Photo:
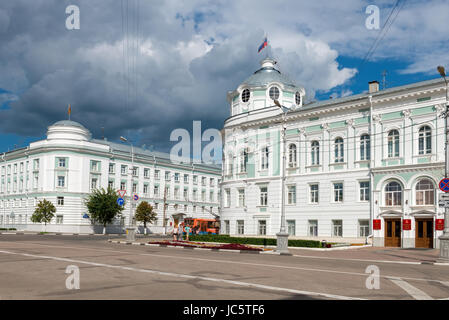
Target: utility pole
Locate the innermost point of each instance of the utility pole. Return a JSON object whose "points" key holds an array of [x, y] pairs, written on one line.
{"points": [[165, 205], [444, 239], [130, 230], [384, 79]]}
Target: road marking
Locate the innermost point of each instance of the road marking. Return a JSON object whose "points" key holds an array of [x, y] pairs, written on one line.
{"points": [[411, 290], [362, 260], [186, 276]]}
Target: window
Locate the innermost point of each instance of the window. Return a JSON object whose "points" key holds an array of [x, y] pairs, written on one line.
{"points": [[203, 195], [243, 160], [297, 98], [313, 228], [226, 227], [425, 192], [156, 175], [262, 229], [111, 168], [240, 227], [425, 140], [61, 162], [393, 144], [365, 147], [339, 150], [292, 155], [186, 194], [291, 227], [176, 177], [263, 196], [211, 196], [338, 192], [186, 178], [211, 182], [203, 181], [59, 219], [111, 184], [94, 166], [195, 195], [291, 195], [364, 190], [241, 197], [167, 175], [93, 183], [123, 169], [315, 155], [134, 187], [60, 201], [36, 164], [363, 228], [245, 95], [265, 155], [135, 171], [167, 192], [195, 179], [61, 181], [337, 228], [122, 185], [314, 193], [146, 173], [274, 93], [228, 198], [156, 191], [393, 194], [176, 193]]}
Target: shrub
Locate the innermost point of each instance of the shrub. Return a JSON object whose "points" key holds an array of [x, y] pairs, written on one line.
{"points": [[256, 241]]}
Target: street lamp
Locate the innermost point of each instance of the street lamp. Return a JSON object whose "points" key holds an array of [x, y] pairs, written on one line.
{"points": [[282, 236], [130, 230], [444, 239]]}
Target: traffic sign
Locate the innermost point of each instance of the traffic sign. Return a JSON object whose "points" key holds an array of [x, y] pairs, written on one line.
{"points": [[120, 201], [136, 197], [444, 185], [85, 216], [121, 193], [443, 203]]}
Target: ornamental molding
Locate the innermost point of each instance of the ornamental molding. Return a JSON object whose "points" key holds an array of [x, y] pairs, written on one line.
{"points": [[325, 126], [377, 117], [406, 113], [350, 122], [440, 108]]}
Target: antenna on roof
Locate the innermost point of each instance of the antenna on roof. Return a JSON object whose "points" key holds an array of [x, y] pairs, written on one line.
{"points": [[384, 80], [102, 133]]}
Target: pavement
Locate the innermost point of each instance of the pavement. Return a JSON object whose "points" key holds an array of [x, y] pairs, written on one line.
{"points": [[34, 267]]}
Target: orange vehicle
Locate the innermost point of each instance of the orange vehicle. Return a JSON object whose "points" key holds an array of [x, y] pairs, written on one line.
{"points": [[204, 226]]}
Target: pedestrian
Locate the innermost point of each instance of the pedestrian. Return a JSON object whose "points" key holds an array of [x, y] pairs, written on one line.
{"points": [[187, 230], [175, 233], [180, 231]]}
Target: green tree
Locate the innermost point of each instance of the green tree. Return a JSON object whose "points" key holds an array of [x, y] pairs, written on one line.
{"points": [[145, 213], [44, 212], [103, 207]]}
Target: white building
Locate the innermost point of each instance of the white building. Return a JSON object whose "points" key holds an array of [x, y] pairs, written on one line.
{"points": [[372, 157], [69, 164]]}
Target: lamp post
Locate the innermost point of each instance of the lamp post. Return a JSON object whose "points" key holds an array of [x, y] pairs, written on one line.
{"points": [[130, 230], [444, 239], [282, 236]]}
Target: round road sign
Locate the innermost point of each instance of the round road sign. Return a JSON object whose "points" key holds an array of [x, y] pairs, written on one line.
{"points": [[444, 185]]}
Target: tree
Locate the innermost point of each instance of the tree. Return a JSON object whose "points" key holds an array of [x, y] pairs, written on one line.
{"points": [[145, 214], [103, 207], [44, 212]]}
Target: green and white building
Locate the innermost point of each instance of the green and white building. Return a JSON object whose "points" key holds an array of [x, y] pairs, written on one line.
{"points": [[66, 166], [374, 157]]}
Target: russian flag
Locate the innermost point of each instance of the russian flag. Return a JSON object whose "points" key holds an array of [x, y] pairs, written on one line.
{"points": [[263, 45]]}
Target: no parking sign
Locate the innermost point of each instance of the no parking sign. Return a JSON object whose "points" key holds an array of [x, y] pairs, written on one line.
{"points": [[444, 185]]}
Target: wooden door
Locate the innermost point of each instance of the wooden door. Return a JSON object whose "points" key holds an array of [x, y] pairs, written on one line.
{"points": [[424, 233], [392, 232]]}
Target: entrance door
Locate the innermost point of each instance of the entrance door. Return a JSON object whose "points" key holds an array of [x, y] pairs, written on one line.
{"points": [[424, 233], [392, 232]]}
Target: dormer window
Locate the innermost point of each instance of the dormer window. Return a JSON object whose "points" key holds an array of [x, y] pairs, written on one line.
{"points": [[298, 98], [245, 95], [274, 93]]}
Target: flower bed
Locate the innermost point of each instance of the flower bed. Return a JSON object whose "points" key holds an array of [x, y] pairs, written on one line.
{"points": [[191, 244]]}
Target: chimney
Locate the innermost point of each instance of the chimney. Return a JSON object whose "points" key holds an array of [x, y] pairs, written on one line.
{"points": [[373, 86]]}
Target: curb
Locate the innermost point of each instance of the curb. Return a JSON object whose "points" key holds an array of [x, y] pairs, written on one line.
{"points": [[192, 248]]}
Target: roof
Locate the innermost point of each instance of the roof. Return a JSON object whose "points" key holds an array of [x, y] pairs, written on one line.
{"points": [[68, 123], [266, 75]]}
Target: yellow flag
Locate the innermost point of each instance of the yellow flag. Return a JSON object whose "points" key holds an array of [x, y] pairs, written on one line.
{"points": [[69, 110]]}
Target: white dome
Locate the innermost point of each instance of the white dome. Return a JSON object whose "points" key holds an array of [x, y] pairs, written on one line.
{"points": [[67, 129]]}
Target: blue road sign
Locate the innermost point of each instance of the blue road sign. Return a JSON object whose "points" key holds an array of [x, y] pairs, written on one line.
{"points": [[444, 185], [85, 216], [136, 197], [120, 201]]}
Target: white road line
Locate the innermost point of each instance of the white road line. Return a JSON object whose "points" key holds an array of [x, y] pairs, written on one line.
{"points": [[224, 261], [362, 260], [411, 290], [186, 276]]}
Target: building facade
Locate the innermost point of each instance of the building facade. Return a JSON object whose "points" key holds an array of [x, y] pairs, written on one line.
{"points": [[66, 166], [358, 168]]}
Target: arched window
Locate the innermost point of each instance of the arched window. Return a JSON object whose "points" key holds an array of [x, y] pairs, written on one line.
{"points": [[298, 98], [292, 155], [393, 194], [338, 148], [364, 147], [245, 95], [243, 160], [425, 140], [265, 155], [393, 144], [315, 153], [274, 93], [425, 192]]}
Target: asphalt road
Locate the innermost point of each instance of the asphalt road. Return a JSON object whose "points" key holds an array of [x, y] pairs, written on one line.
{"points": [[34, 267]]}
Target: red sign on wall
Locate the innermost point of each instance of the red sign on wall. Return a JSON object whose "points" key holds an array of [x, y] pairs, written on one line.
{"points": [[376, 224], [407, 224], [439, 224]]}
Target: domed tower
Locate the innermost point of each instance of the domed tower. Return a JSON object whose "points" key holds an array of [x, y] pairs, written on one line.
{"points": [[262, 87], [68, 130]]}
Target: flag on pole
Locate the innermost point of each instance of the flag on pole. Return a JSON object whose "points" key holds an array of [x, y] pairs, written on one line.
{"points": [[263, 45], [69, 111]]}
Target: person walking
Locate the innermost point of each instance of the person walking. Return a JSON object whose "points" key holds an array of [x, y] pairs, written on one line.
{"points": [[180, 230], [187, 230], [175, 233]]}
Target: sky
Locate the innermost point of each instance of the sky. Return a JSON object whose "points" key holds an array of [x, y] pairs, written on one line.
{"points": [[144, 68]]}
